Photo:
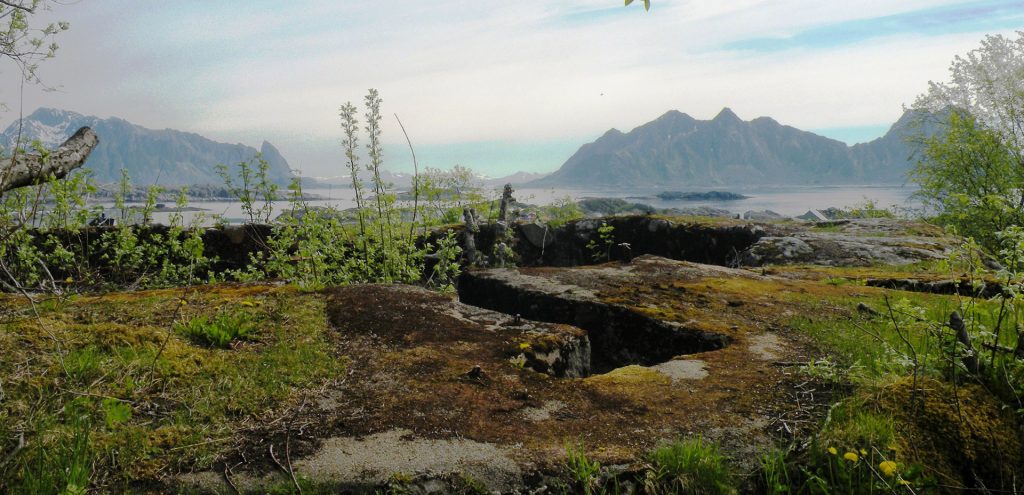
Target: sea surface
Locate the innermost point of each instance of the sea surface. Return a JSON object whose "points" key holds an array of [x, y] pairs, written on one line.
{"points": [[784, 200]]}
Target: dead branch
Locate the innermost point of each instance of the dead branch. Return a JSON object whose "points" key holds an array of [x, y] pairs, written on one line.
{"points": [[28, 169], [227, 477], [286, 470]]}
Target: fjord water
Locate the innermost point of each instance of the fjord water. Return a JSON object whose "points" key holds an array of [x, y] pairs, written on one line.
{"points": [[784, 200]]}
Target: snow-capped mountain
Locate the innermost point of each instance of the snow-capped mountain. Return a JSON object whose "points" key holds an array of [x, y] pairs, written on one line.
{"points": [[167, 157]]}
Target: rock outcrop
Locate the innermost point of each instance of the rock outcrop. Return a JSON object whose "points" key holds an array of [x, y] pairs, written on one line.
{"points": [[442, 390], [860, 242]]}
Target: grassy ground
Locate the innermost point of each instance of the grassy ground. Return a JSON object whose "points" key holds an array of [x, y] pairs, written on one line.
{"points": [[118, 392], [909, 400], [109, 392], [907, 415]]}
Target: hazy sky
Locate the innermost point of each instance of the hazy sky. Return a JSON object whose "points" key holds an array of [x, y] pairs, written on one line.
{"points": [[498, 85]]}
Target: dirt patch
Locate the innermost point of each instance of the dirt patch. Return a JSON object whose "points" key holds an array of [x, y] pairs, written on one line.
{"points": [[544, 412]]}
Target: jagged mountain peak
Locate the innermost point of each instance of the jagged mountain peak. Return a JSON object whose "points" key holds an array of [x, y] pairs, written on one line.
{"points": [[674, 116], [727, 115], [268, 149]]}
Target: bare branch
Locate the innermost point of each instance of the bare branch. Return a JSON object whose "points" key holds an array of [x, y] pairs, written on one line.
{"points": [[25, 170], [19, 6]]}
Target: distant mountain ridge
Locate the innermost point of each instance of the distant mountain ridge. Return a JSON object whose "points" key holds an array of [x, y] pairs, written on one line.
{"points": [[678, 151], [167, 157]]}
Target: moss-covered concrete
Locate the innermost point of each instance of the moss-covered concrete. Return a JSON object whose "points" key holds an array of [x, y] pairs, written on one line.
{"points": [[343, 383], [412, 353]]}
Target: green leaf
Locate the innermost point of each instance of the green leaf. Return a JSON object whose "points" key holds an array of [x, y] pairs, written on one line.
{"points": [[628, 2], [647, 5], [73, 489], [117, 411]]}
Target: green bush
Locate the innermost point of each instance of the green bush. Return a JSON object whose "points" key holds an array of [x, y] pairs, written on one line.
{"points": [[868, 209], [602, 251], [561, 212], [971, 178]]}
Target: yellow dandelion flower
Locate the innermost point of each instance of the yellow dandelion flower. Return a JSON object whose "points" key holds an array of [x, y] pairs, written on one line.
{"points": [[833, 451], [887, 468], [904, 482], [851, 456], [863, 452], [69, 280], [524, 346], [182, 302]]}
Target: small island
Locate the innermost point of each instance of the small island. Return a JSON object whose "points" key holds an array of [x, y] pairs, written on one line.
{"points": [[701, 196]]}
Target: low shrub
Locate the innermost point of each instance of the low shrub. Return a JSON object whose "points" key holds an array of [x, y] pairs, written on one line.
{"points": [[219, 331], [690, 466]]}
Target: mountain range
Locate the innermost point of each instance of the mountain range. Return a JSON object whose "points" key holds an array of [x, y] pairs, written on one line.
{"points": [[678, 151], [172, 158], [674, 151], [166, 157]]}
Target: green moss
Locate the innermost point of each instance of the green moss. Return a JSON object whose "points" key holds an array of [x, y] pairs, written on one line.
{"points": [[957, 430], [631, 375], [187, 403], [701, 220], [827, 227]]}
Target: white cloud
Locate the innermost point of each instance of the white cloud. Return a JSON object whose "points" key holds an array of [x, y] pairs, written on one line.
{"points": [[475, 71]]}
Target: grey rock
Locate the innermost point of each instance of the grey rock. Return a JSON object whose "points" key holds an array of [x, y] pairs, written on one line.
{"points": [[658, 225], [776, 249], [761, 215], [857, 242], [235, 233], [699, 211], [538, 234]]}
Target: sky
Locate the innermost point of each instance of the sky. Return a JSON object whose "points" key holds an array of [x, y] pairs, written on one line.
{"points": [[494, 85]]}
